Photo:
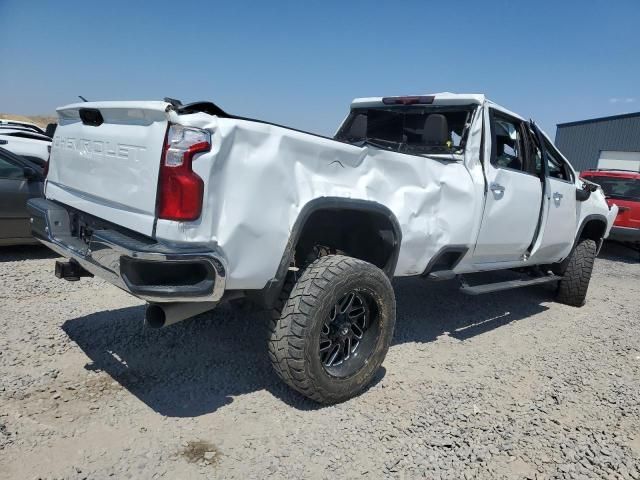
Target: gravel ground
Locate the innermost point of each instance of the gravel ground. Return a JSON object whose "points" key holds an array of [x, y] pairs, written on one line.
{"points": [[508, 385]]}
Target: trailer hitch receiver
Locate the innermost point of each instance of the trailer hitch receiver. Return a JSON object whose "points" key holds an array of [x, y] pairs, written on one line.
{"points": [[71, 270]]}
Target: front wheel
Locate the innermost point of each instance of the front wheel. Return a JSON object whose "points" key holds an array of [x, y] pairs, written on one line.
{"points": [[334, 329], [572, 289]]}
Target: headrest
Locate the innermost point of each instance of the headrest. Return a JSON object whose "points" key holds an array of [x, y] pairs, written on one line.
{"points": [[436, 130], [358, 127]]}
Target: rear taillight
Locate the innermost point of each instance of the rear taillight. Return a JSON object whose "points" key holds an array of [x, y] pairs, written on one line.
{"points": [[180, 189]]}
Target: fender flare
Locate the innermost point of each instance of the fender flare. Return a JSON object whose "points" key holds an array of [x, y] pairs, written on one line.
{"points": [[587, 219], [272, 289]]}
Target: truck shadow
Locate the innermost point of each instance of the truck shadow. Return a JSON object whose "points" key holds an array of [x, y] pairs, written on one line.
{"points": [[197, 366], [26, 252], [619, 252]]}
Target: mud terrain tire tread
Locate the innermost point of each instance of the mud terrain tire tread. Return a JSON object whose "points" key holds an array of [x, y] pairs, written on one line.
{"points": [[572, 289], [292, 330]]}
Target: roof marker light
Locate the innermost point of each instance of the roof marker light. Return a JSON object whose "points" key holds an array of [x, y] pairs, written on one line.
{"points": [[414, 100]]}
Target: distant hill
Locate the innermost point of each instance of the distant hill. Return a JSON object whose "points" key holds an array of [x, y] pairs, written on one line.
{"points": [[40, 120]]}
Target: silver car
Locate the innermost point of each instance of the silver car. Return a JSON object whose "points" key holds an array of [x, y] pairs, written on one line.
{"points": [[20, 180]]}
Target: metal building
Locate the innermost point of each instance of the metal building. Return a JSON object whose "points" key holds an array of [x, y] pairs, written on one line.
{"points": [[606, 142]]}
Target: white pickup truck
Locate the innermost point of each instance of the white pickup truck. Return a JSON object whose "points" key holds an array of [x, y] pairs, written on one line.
{"points": [[186, 206]]}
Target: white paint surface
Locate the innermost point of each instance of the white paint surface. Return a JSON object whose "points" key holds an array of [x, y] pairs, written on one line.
{"points": [[258, 177], [619, 160]]}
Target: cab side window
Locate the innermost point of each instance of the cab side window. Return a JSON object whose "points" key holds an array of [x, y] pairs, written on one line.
{"points": [[508, 146], [535, 154], [10, 170], [556, 166]]}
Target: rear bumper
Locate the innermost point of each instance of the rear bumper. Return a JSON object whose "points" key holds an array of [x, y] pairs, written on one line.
{"points": [[624, 234], [152, 271]]}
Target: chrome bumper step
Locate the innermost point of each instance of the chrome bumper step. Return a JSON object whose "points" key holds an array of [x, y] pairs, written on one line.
{"points": [[136, 264]]}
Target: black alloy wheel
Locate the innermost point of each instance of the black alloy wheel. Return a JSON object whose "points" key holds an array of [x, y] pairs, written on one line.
{"points": [[348, 334]]}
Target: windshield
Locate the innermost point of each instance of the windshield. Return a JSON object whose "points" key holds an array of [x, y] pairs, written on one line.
{"points": [[621, 188], [409, 129]]}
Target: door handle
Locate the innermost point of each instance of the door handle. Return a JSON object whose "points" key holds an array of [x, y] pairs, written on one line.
{"points": [[557, 196], [496, 188]]}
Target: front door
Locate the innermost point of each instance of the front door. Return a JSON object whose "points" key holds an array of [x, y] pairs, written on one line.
{"points": [[559, 231], [514, 196]]}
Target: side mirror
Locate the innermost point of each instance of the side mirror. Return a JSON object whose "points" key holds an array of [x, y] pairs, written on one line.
{"points": [[29, 173], [587, 189], [582, 194]]}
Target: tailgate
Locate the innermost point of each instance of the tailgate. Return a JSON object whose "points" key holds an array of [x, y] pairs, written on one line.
{"points": [[105, 159]]}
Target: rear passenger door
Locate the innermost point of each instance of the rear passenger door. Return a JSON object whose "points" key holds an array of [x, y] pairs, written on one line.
{"points": [[514, 194]]}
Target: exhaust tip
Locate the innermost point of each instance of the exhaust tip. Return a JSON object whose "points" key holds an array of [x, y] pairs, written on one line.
{"points": [[155, 316]]}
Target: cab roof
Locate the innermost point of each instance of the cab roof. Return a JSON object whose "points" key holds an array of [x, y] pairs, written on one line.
{"points": [[442, 98]]}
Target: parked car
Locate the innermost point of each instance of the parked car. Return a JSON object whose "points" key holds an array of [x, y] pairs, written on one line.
{"points": [[7, 122], [621, 187], [20, 180], [187, 206], [26, 142]]}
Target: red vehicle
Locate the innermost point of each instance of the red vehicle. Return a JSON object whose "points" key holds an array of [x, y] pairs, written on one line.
{"points": [[621, 187]]}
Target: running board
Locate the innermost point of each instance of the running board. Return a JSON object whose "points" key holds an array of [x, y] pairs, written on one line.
{"points": [[499, 286]]}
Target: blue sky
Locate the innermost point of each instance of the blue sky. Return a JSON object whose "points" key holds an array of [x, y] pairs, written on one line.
{"points": [[301, 63]]}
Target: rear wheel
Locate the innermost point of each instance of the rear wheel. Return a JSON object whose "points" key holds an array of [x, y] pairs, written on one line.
{"points": [[334, 328], [572, 289]]}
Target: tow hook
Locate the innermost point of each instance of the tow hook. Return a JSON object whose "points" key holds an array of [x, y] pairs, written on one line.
{"points": [[71, 270]]}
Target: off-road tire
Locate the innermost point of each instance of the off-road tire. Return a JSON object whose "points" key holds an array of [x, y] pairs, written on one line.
{"points": [[295, 332], [277, 331], [572, 289]]}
